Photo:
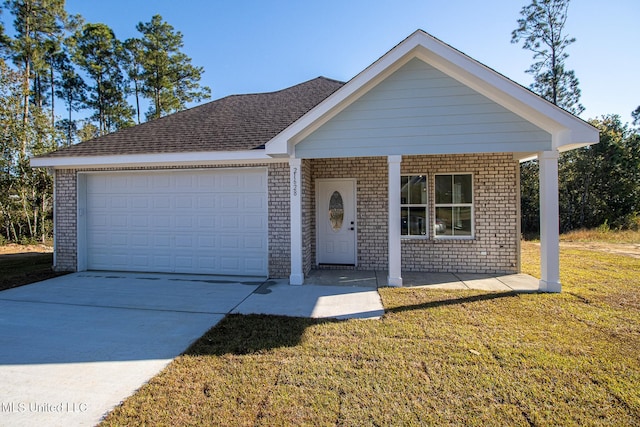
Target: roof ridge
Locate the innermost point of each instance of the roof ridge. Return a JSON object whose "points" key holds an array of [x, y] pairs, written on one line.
{"points": [[281, 90]]}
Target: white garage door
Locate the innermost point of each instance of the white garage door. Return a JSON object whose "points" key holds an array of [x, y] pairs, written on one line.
{"points": [[203, 222]]}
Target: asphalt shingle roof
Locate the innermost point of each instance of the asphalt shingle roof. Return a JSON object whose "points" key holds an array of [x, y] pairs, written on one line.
{"points": [[233, 123]]}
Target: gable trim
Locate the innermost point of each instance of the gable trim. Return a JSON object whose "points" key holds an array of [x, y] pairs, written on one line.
{"points": [[567, 130]]}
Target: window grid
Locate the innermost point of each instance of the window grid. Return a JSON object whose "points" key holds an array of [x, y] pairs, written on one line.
{"points": [[414, 208], [454, 212]]}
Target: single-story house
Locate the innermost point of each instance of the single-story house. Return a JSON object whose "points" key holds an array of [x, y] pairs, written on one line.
{"points": [[412, 165]]}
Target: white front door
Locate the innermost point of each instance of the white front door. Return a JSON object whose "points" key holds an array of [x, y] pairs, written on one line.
{"points": [[336, 221]]}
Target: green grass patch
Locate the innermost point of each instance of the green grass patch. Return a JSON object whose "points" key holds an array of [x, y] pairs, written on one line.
{"points": [[437, 357], [24, 268]]}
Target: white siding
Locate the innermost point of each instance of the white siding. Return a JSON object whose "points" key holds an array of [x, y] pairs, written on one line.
{"points": [[420, 110]]}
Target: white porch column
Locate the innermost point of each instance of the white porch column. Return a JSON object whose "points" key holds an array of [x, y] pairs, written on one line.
{"points": [[295, 200], [549, 222], [395, 255]]}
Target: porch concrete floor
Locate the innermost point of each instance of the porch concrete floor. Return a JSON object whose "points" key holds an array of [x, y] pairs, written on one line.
{"points": [[376, 279]]}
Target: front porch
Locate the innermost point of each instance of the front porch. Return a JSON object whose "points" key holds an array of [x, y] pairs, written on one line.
{"points": [[373, 215], [460, 281]]}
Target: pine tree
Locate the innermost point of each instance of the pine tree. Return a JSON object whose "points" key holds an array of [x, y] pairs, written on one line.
{"points": [[98, 52], [71, 88], [133, 67], [38, 26], [541, 29], [169, 80]]}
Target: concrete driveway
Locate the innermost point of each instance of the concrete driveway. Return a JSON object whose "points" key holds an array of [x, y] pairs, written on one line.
{"points": [[71, 348]]}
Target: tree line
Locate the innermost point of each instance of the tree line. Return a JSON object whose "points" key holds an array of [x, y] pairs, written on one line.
{"points": [[599, 185], [65, 80]]}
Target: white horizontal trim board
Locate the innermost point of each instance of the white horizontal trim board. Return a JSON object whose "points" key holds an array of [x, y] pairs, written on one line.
{"points": [[420, 110], [157, 159], [182, 221]]}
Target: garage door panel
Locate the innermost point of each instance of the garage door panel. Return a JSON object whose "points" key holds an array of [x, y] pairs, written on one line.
{"points": [[184, 202], [119, 182], [141, 202], [206, 242], [207, 222], [253, 201], [230, 202], [254, 263], [140, 241], [160, 182], [205, 202], [161, 202], [229, 222], [98, 220], [254, 222], [120, 240], [183, 262], [118, 221], [96, 202], [140, 222], [161, 240], [139, 182], [229, 242], [118, 202], [184, 182], [141, 261], [252, 242], [184, 241], [160, 222], [185, 222]]}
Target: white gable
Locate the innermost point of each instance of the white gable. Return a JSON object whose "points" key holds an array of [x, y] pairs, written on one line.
{"points": [[420, 110], [529, 116]]}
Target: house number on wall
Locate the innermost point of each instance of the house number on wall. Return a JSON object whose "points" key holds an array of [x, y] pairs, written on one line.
{"points": [[295, 182]]}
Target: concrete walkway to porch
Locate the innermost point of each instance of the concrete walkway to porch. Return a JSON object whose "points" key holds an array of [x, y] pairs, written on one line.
{"points": [[349, 294], [376, 279]]}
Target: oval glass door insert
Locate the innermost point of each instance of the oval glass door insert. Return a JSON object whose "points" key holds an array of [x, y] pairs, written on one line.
{"points": [[336, 211]]}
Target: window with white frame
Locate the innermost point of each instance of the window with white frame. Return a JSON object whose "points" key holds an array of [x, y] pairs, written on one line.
{"points": [[454, 205], [413, 205]]}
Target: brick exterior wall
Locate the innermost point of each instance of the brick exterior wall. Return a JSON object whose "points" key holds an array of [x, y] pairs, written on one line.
{"points": [[308, 217], [278, 205], [279, 221], [66, 220], [496, 193], [494, 249], [495, 246]]}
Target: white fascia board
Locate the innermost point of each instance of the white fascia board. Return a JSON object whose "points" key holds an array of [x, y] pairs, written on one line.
{"points": [[156, 159]]}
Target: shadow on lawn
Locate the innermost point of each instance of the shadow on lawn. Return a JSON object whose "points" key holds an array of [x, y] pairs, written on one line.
{"points": [[256, 333], [252, 334], [453, 301], [18, 269]]}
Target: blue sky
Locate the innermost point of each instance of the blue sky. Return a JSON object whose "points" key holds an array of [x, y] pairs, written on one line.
{"points": [[258, 46]]}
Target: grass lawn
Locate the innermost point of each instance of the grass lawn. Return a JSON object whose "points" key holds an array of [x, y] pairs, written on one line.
{"points": [[437, 357]]}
